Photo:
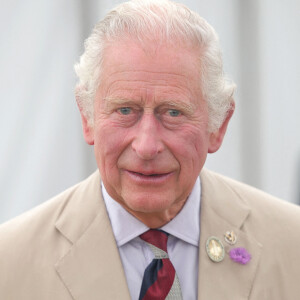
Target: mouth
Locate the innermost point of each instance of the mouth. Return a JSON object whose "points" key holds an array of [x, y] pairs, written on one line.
{"points": [[143, 177], [150, 174]]}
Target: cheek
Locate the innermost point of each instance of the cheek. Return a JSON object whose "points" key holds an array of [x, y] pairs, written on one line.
{"points": [[191, 141], [190, 148], [110, 142]]}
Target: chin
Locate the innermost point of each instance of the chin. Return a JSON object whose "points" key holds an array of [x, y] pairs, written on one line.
{"points": [[148, 204]]}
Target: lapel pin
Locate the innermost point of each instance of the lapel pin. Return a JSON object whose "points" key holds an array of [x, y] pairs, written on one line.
{"points": [[215, 249], [240, 255], [230, 237]]}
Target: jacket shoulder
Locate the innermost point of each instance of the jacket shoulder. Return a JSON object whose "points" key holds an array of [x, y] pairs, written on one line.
{"points": [[262, 204], [51, 207], [32, 242], [43, 214]]}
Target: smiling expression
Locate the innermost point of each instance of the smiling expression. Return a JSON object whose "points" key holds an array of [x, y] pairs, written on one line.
{"points": [[150, 128]]}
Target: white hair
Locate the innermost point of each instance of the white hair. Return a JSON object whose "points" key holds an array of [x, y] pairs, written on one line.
{"points": [[159, 20]]}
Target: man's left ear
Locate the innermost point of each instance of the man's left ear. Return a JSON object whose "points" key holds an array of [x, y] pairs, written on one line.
{"points": [[216, 138]]}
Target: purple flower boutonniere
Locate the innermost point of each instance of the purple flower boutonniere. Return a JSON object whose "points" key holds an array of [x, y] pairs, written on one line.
{"points": [[240, 255]]}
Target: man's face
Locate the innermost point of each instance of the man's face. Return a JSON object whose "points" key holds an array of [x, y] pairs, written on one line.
{"points": [[150, 130]]}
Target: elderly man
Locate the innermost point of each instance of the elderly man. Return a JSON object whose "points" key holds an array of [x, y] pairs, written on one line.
{"points": [[154, 101]]}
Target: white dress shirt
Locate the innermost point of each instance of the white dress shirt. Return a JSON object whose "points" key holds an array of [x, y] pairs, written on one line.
{"points": [[183, 243]]}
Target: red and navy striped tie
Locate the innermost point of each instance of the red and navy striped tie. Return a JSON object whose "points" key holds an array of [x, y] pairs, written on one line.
{"points": [[160, 281]]}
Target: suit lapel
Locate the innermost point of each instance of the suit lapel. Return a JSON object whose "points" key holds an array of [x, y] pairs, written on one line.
{"points": [[222, 210], [92, 268]]}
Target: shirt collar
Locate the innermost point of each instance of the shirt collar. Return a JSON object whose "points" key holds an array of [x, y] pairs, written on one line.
{"points": [[185, 226]]}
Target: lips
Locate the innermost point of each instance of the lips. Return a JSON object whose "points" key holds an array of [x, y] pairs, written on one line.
{"points": [[148, 177], [148, 174]]}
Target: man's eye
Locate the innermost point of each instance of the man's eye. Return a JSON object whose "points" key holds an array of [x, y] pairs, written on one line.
{"points": [[125, 110], [174, 112]]}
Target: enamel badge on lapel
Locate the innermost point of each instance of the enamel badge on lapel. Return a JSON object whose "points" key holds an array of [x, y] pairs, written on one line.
{"points": [[215, 249], [230, 237]]}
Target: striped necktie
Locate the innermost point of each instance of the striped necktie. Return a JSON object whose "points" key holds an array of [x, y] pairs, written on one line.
{"points": [[160, 281]]}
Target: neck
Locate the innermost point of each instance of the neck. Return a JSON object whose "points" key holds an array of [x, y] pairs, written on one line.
{"points": [[157, 219]]}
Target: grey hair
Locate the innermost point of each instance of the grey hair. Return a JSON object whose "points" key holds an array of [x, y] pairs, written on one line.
{"points": [[159, 20]]}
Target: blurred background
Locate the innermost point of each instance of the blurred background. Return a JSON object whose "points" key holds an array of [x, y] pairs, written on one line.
{"points": [[42, 150]]}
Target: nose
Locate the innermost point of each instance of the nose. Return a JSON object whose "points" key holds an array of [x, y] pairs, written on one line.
{"points": [[147, 142]]}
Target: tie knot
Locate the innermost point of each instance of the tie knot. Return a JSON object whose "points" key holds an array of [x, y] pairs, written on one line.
{"points": [[157, 238]]}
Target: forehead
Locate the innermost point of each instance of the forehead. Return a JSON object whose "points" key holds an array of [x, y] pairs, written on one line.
{"points": [[144, 52], [133, 65]]}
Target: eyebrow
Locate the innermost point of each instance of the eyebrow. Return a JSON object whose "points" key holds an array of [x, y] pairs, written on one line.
{"points": [[118, 101], [111, 102]]}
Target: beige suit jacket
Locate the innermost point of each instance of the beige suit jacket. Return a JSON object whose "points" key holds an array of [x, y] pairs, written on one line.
{"points": [[65, 248]]}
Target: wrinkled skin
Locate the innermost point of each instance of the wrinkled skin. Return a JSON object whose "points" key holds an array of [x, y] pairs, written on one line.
{"points": [[150, 131]]}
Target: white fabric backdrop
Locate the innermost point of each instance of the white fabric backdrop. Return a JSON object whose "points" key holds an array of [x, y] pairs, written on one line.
{"points": [[42, 150]]}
